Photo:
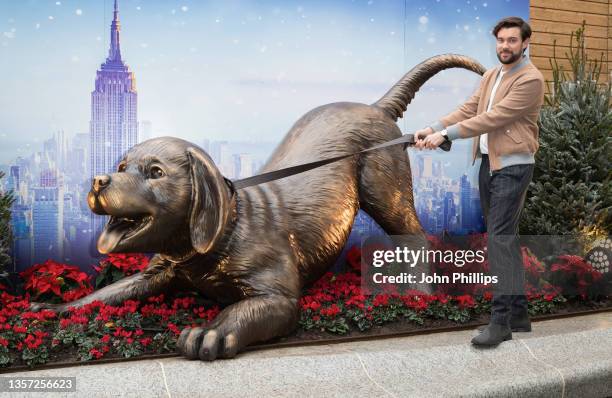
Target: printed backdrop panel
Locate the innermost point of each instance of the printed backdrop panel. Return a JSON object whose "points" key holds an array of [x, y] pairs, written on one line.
{"points": [[84, 81]]}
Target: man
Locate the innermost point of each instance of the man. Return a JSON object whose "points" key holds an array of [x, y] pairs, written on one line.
{"points": [[502, 117]]}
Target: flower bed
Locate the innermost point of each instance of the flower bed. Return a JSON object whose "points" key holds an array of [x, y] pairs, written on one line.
{"points": [[95, 330], [334, 305]]}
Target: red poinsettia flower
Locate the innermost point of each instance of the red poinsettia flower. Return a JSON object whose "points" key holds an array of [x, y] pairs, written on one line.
{"points": [[574, 275], [465, 301], [533, 267], [54, 281]]}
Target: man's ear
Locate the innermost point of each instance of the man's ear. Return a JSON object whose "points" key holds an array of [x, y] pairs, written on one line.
{"points": [[210, 201]]}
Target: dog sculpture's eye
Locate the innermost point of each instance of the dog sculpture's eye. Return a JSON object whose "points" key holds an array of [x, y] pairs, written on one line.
{"points": [[156, 172]]}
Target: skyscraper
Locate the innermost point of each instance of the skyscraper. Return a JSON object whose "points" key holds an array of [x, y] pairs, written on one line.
{"points": [[13, 180], [47, 228], [449, 211], [243, 165], [220, 153], [113, 127], [465, 204]]}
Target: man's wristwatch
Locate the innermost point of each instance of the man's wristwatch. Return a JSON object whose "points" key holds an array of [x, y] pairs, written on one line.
{"points": [[445, 134]]}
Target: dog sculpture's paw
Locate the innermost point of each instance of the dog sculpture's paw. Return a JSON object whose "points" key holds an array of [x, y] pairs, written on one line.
{"points": [[207, 344]]}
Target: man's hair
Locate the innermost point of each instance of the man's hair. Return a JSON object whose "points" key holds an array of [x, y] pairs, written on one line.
{"points": [[511, 22]]}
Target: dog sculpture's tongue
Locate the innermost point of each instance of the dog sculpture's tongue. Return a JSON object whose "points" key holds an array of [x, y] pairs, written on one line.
{"points": [[110, 238]]}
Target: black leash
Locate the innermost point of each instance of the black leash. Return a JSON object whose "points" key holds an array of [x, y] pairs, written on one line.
{"points": [[406, 139]]}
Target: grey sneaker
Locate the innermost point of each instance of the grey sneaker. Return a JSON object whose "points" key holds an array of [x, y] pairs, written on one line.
{"points": [[493, 334], [520, 323]]}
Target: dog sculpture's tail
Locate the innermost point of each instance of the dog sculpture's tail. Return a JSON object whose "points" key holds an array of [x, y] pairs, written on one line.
{"points": [[401, 94]]}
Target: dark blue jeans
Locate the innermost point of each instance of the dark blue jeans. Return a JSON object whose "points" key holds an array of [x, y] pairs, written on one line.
{"points": [[502, 196]]}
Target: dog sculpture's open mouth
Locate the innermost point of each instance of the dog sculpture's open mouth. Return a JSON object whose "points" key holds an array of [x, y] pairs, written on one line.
{"points": [[120, 229], [130, 225]]}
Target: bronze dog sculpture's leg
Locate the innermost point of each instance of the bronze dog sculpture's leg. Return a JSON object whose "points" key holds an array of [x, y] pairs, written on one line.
{"points": [[247, 321], [255, 249], [393, 210]]}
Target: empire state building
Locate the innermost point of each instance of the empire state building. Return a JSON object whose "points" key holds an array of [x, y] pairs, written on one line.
{"points": [[114, 127]]}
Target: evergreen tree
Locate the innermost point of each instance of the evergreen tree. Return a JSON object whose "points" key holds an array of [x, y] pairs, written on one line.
{"points": [[6, 201], [571, 191]]}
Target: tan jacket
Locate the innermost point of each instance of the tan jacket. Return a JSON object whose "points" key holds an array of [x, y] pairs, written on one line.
{"points": [[512, 121]]}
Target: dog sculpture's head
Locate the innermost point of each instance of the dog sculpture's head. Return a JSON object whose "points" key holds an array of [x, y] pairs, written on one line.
{"points": [[167, 196]]}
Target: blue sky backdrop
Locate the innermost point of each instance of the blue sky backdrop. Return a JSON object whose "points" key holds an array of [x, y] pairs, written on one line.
{"points": [[236, 70]]}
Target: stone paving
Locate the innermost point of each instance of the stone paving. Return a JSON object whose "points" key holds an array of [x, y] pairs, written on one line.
{"points": [[570, 357]]}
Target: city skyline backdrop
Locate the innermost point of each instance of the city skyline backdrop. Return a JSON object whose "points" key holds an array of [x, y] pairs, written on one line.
{"points": [[229, 116], [233, 70]]}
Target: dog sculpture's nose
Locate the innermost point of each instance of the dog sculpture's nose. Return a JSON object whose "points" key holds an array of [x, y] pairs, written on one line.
{"points": [[100, 182]]}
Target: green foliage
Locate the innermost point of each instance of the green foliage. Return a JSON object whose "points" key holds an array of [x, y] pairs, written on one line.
{"points": [[108, 276], [164, 342], [127, 349], [5, 358], [571, 188], [36, 356], [6, 235], [545, 305]]}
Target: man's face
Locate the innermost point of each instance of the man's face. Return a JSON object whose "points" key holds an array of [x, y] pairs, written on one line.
{"points": [[509, 45]]}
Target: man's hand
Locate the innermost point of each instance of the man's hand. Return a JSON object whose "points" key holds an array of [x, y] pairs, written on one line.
{"points": [[432, 141], [419, 135]]}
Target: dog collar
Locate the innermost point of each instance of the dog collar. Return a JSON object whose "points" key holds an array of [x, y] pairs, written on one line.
{"points": [[182, 259], [230, 185]]}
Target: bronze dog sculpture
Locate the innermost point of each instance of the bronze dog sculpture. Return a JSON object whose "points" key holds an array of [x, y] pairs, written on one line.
{"points": [[256, 248]]}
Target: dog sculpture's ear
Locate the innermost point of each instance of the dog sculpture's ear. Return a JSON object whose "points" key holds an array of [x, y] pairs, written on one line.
{"points": [[210, 201]]}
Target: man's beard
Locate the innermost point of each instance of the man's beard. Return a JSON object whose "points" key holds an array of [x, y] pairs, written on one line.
{"points": [[513, 57]]}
